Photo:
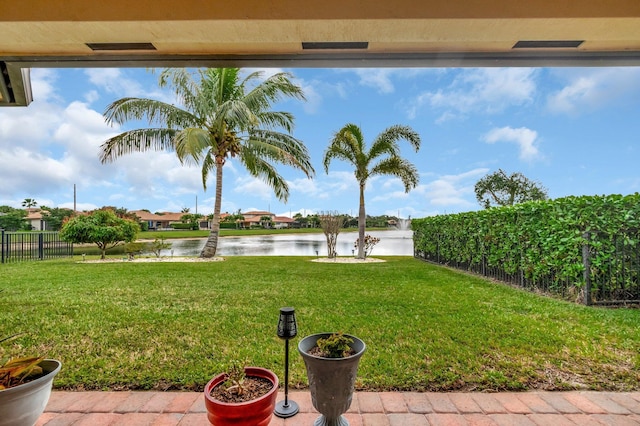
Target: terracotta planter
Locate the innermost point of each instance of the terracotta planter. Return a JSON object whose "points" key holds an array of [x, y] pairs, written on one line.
{"points": [[331, 380], [22, 405], [257, 412]]}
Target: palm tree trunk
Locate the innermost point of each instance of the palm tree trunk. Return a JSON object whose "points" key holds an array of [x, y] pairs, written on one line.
{"points": [[362, 222], [211, 246]]}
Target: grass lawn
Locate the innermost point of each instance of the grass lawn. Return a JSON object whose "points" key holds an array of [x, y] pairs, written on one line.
{"points": [[174, 325]]}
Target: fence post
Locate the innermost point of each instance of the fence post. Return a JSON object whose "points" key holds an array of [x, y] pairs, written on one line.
{"points": [[586, 261], [41, 246], [2, 244]]}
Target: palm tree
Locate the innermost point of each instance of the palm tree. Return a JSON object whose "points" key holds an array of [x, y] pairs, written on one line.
{"points": [[383, 158], [222, 116], [28, 203]]}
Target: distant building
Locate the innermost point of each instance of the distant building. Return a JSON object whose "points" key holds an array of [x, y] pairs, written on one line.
{"points": [[160, 221], [36, 220], [255, 218]]}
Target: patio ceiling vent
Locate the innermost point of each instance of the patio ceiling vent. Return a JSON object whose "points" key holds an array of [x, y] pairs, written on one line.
{"points": [[120, 46], [547, 44], [334, 45]]}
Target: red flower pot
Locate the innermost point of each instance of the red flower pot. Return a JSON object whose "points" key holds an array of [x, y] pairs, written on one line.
{"points": [[257, 412]]}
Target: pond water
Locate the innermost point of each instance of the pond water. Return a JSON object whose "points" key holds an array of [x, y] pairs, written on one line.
{"points": [[392, 243]]}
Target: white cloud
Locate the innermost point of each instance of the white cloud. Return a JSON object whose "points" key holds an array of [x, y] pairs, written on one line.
{"points": [[316, 91], [117, 82], [314, 99], [484, 90], [30, 128], [81, 131], [305, 186], [381, 79], [455, 191], [591, 90], [252, 187], [389, 188], [32, 172], [525, 139], [113, 80], [43, 83], [151, 180], [378, 78], [341, 181]]}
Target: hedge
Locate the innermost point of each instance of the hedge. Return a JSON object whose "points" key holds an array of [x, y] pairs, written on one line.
{"points": [[184, 226], [544, 240]]}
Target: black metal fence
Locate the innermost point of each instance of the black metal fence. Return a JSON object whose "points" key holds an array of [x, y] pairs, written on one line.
{"points": [[610, 273], [25, 246]]}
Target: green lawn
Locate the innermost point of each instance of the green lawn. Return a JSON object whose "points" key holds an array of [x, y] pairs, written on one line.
{"points": [[174, 325]]}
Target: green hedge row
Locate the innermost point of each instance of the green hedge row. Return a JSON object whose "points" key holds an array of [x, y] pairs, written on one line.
{"points": [[184, 226], [538, 239], [228, 225]]}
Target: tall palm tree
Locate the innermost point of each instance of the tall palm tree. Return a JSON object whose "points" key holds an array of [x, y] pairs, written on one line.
{"points": [[221, 116], [382, 158]]}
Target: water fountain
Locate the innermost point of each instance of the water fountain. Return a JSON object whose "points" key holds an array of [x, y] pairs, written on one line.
{"points": [[404, 224]]}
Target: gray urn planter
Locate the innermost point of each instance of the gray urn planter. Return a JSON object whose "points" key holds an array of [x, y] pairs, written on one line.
{"points": [[331, 380], [22, 405]]}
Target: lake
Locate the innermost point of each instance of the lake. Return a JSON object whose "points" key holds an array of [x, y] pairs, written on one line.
{"points": [[392, 243]]}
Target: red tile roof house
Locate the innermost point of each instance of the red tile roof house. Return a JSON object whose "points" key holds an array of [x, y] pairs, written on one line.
{"points": [[35, 219], [158, 222], [163, 221], [255, 218]]}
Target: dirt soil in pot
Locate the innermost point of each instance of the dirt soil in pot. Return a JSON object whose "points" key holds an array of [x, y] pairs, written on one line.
{"points": [[253, 388]]}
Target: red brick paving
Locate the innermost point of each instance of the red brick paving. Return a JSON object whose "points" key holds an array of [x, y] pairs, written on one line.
{"points": [[367, 409]]}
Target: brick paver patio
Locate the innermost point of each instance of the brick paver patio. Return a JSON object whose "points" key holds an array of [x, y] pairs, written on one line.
{"points": [[368, 409]]}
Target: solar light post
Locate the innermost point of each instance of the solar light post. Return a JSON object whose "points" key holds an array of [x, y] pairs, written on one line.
{"points": [[287, 329]]}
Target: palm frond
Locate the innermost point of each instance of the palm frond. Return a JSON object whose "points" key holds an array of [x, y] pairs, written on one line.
{"points": [[154, 112], [208, 164], [191, 143], [400, 168], [184, 86], [279, 86], [282, 148], [262, 169], [276, 119], [387, 141], [347, 145], [139, 140], [235, 114]]}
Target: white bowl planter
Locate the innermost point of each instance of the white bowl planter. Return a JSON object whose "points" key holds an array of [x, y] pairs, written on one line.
{"points": [[22, 405]]}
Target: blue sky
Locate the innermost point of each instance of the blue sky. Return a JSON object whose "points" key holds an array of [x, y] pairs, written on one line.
{"points": [[574, 130]]}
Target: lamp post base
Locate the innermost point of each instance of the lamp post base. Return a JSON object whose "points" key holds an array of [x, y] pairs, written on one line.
{"points": [[286, 411]]}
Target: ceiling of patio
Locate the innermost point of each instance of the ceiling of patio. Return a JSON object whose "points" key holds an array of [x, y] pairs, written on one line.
{"points": [[311, 33]]}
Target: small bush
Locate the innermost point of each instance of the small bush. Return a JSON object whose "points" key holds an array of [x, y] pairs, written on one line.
{"points": [[336, 345]]}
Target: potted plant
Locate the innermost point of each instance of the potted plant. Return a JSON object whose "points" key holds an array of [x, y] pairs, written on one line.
{"points": [[25, 387], [332, 361], [241, 397]]}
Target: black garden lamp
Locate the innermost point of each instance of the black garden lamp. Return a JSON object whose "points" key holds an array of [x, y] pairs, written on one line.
{"points": [[287, 329]]}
